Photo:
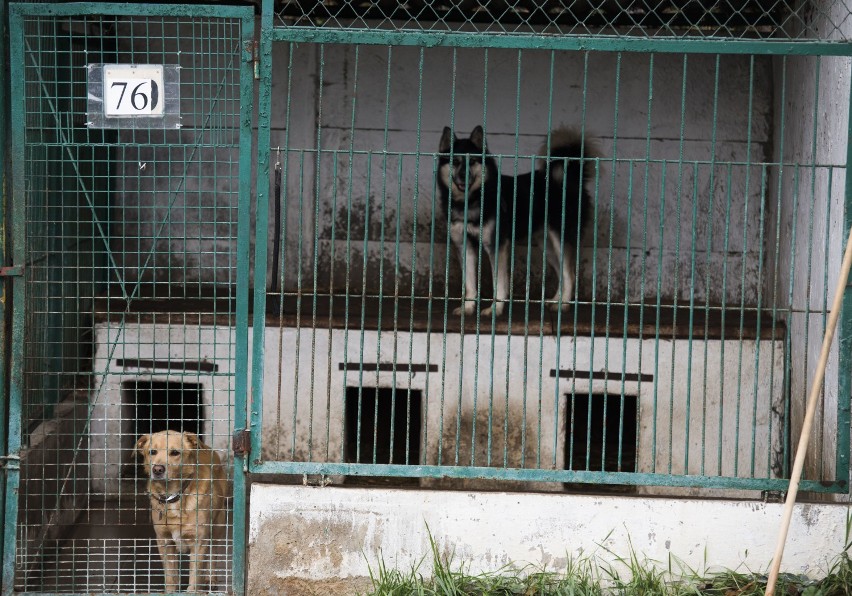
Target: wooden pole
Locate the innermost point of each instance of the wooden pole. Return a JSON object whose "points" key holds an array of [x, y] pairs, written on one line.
{"points": [[813, 399]]}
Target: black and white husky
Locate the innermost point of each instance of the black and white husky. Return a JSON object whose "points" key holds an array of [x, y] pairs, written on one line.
{"points": [[494, 210]]}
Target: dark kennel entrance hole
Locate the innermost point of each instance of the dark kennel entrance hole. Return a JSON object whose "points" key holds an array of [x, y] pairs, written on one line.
{"points": [[601, 432], [389, 421], [164, 405]]}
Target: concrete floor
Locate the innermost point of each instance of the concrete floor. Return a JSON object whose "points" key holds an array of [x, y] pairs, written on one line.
{"points": [[112, 550]]}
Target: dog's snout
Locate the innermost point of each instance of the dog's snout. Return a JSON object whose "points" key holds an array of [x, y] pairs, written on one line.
{"points": [[158, 470]]}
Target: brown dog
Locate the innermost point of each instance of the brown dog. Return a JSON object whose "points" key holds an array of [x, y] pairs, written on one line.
{"points": [[187, 488]]}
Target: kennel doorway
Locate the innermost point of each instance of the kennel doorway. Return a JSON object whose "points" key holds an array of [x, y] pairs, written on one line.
{"points": [[119, 222]]}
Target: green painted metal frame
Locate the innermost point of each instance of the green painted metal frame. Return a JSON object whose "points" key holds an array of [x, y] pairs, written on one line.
{"points": [[4, 261], [432, 39], [16, 213], [844, 336], [17, 13], [270, 33]]}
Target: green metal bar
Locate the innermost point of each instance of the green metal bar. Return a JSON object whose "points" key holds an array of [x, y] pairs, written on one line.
{"points": [[317, 196], [764, 199], [708, 249], [608, 310], [5, 286], [31, 593], [264, 111], [72, 9], [844, 340], [816, 433], [241, 354], [382, 220], [533, 475], [433, 39], [349, 237], [785, 352], [18, 254], [415, 201]]}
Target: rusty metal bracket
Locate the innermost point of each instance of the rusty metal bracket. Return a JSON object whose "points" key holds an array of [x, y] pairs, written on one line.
{"points": [[241, 444], [16, 271], [252, 49]]}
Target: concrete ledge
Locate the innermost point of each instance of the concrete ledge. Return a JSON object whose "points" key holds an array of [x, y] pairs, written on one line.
{"points": [[300, 535]]}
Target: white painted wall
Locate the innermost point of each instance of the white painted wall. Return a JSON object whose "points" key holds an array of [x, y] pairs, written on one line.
{"points": [[310, 533], [711, 408]]}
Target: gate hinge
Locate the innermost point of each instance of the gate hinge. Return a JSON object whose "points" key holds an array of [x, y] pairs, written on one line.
{"points": [[14, 271], [242, 442], [773, 496]]}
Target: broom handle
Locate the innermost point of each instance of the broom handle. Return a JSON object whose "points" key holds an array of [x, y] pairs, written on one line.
{"points": [[813, 398]]}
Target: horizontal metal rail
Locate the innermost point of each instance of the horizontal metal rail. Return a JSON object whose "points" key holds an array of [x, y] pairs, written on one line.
{"points": [[477, 40]]}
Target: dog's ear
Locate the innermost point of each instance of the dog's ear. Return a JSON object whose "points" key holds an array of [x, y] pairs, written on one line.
{"points": [[192, 439], [477, 137], [142, 445], [446, 140]]}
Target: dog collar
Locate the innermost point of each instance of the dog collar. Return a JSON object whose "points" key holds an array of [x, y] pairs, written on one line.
{"points": [[173, 497]]}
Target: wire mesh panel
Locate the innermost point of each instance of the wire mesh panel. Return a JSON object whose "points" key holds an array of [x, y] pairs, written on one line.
{"points": [[496, 258], [757, 19], [129, 237]]}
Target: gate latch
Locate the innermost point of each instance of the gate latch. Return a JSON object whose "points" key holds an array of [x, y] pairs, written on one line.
{"points": [[10, 462], [242, 442]]}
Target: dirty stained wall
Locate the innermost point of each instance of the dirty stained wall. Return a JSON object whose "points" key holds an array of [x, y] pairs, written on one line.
{"points": [[368, 200], [307, 540]]}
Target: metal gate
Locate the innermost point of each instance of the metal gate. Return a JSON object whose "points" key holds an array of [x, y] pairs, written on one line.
{"points": [[680, 363], [129, 258]]}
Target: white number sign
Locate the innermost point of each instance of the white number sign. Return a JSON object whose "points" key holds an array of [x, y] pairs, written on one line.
{"points": [[133, 90]]}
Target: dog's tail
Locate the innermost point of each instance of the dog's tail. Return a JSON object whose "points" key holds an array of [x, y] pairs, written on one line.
{"points": [[570, 155]]}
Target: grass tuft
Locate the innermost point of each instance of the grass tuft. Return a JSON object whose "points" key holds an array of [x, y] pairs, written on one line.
{"points": [[591, 577]]}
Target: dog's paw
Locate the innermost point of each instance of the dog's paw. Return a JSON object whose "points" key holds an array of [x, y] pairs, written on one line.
{"points": [[496, 309], [468, 309], [563, 305]]}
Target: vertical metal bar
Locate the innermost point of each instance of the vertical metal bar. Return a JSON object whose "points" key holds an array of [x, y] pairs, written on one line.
{"points": [[4, 256], [382, 218], [264, 110], [844, 389], [348, 283], [709, 250], [757, 343], [278, 272], [478, 317], [16, 361], [780, 140], [645, 251], [317, 197], [241, 354], [743, 262], [817, 434], [424, 406], [654, 433], [676, 277], [608, 313]]}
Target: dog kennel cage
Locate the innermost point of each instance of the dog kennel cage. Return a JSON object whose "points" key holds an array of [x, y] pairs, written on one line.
{"points": [[292, 302], [718, 209]]}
